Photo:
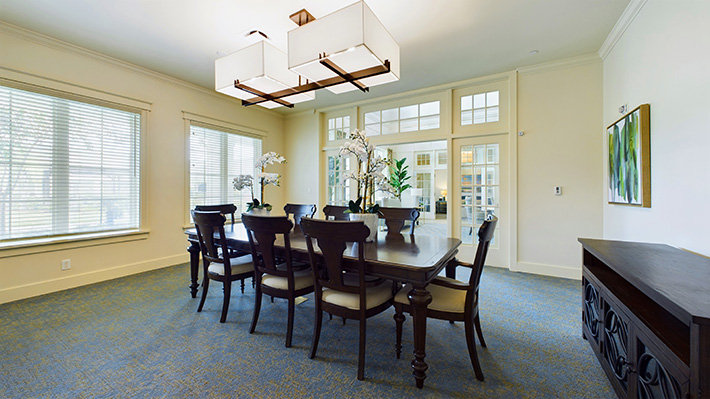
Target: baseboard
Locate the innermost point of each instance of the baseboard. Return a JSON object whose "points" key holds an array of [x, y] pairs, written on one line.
{"points": [[567, 272], [46, 287]]}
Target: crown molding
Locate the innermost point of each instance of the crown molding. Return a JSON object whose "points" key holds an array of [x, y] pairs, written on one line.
{"points": [[622, 24], [56, 44], [559, 64]]}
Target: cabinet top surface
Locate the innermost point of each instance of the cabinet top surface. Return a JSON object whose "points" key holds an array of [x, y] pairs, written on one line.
{"points": [[676, 279]]}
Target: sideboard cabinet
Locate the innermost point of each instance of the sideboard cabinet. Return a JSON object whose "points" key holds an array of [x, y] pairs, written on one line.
{"points": [[646, 315]]}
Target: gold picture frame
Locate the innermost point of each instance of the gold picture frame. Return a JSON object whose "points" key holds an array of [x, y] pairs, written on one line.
{"points": [[629, 158]]}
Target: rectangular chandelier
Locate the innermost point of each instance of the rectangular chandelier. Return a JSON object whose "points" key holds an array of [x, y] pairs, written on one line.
{"points": [[346, 50]]}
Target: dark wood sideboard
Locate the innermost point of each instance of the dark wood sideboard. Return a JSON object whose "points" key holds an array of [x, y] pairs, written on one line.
{"points": [[646, 315]]}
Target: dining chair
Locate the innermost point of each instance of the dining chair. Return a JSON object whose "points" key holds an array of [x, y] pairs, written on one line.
{"points": [[225, 209], [396, 217], [276, 274], [336, 212], [352, 294], [454, 300], [225, 269], [297, 211]]}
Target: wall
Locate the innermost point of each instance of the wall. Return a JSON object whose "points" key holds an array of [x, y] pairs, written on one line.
{"points": [[302, 176], [663, 58], [559, 111], [22, 53]]}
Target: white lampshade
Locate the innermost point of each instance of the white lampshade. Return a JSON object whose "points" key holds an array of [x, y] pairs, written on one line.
{"points": [[352, 38], [261, 66]]}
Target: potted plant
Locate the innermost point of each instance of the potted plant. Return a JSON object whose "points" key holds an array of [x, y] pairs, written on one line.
{"points": [[398, 178], [368, 177], [243, 181]]}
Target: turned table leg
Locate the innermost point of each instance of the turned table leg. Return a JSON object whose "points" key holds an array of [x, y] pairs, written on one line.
{"points": [[419, 298], [194, 250]]}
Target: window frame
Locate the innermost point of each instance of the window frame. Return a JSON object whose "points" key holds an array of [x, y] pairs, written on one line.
{"points": [[441, 97], [501, 125]]}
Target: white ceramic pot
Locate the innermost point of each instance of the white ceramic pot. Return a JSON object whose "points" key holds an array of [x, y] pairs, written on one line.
{"points": [[370, 220], [260, 212]]}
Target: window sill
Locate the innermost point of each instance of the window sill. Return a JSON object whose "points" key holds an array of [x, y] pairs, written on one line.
{"points": [[50, 244]]}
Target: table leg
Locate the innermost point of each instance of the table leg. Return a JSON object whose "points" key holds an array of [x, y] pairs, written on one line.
{"points": [[194, 250], [419, 298]]}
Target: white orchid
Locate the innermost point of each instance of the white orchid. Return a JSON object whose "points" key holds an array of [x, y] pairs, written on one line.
{"points": [[243, 181], [268, 159], [269, 178]]}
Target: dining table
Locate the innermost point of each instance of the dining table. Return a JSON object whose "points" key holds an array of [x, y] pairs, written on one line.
{"points": [[405, 258]]}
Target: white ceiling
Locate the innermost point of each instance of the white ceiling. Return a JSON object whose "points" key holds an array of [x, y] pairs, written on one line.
{"points": [[440, 41]]}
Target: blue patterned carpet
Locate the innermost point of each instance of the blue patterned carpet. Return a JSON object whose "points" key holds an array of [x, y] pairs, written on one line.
{"points": [[141, 337]]}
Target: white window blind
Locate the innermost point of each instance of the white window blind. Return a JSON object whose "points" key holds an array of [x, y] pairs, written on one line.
{"points": [[217, 157], [66, 167]]}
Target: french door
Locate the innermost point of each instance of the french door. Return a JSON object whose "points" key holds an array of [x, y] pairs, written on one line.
{"points": [[481, 189]]}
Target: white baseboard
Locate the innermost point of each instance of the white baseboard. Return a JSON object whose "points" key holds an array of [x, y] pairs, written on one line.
{"points": [[567, 272], [46, 287]]}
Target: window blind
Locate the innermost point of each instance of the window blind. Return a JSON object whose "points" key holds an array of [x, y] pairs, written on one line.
{"points": [[217, 157], [66, 167]]}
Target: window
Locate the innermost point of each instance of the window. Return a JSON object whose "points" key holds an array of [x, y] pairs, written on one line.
{"points": [[480, 108], [409, 118], [441, 159], [423, 159], [66, 167], [338, 190], [480, 187], [338, 128], [217, 157]]}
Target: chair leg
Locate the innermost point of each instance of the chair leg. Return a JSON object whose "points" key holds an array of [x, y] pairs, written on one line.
{"points": [[316, 328], [205, 287], [361, 352], [225, 305], [471, 342], [289, 328], [477, 323], [399, 320], [242, 286], [257, 308]]}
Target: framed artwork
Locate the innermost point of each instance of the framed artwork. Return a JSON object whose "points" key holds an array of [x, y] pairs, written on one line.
{"points": [[630, 158]]}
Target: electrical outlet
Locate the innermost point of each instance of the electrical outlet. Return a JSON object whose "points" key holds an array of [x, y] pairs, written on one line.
{"points": [[66, 264], [558, 190]]}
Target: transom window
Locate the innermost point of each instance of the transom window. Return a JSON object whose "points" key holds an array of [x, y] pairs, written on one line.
{"points": [[409, 118], [338, 191], [423, 159], [216, 158], [480, 108], [338, 128], [66, 167]]}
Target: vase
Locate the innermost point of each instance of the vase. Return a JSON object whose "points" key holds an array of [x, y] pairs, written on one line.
{"points": [[371, 220], [260, 212]]}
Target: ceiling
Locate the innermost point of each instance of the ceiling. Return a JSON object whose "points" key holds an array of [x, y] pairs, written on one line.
{"points": [[440, 41]]}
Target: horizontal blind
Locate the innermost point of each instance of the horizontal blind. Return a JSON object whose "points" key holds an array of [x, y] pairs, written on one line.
{"points": [[66, 167], [217, 157]]}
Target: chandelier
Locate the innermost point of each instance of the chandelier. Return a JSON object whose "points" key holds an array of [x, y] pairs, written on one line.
{"points": [[347, 50]]}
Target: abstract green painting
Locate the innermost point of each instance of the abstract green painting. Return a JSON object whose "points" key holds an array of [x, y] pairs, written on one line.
{"points": [[629, 159]]}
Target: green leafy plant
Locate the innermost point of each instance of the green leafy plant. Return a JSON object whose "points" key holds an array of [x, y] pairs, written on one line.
{"points": [[356, 207], [398, 177]]}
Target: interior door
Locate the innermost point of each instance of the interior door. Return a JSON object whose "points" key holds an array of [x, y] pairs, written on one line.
{"points": [[481, 189]]}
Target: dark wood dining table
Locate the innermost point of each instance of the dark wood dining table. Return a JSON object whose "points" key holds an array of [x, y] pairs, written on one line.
{"points": [[404, 258]]}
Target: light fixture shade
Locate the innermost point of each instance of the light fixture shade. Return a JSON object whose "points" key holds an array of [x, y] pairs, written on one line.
{"points": [[352, 38], [260, 66]]}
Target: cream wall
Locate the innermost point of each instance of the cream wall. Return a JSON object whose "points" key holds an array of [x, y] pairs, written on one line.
{"points": [[559, 111], [25, 54], [302, 178], [663, 58]]}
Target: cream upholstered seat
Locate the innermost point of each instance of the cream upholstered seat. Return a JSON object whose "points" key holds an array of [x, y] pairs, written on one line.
{"points": [[454, 300], [351, 294], [273, 276], [217, 267], [443, 299]]}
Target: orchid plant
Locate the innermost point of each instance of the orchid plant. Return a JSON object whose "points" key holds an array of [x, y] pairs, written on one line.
{"points": [[369, 176], [243, 181]]}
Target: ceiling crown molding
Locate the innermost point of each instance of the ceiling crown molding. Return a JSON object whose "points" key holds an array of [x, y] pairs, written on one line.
{"points": [[66, 47], [559, 64], [622, 24]]}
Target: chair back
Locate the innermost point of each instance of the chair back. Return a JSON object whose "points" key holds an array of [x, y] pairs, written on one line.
{"points": [[300, 210], [230, 209], [336, 212], [262, 232], [332, 237], [207, 224], [485, 234], [395, 218]]}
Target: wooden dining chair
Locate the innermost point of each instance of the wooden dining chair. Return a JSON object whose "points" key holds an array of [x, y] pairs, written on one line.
{"points": [[297, 211], [352, 294], [225, 209], [454, 300], [225, 269], [336, 212], [276, 274], [396, 217]]}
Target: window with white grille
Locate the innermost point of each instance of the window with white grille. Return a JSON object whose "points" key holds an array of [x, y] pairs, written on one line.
{"points": [[410, 118], [480, 108]]}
